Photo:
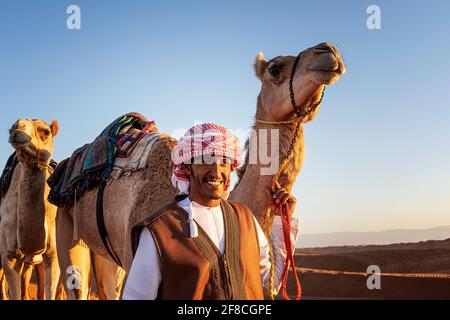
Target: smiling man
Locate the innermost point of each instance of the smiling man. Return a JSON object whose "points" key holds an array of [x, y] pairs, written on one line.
{"points": [[201, 246]]}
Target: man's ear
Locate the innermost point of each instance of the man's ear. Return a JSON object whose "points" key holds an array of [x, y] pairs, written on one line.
{"points": [[187, 169], [260, 65], [54, 127]]}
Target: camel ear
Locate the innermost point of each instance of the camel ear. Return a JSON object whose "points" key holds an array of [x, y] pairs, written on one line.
{"points": [[260, 65], [54, 127]]}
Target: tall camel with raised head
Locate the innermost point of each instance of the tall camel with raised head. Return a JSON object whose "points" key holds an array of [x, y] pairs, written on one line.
{"points": [[27, 219], [286, 81]]}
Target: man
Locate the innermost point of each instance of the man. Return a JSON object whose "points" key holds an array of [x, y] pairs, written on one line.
{"points": [[202, 246]]}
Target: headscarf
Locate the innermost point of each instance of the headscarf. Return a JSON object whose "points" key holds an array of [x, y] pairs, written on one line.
{"points": [[206, 139]]}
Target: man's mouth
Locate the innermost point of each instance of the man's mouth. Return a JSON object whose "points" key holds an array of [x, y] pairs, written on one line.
{"points": [[213, 182]]}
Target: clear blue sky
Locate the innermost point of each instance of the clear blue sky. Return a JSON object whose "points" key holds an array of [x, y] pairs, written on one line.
{"points": [[377, 156]]}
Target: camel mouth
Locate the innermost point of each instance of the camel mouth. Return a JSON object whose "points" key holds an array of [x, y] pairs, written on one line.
{"points": [[18, 144], [336, 68], [327, 60], [330, 69], [18, 139], [334, 71]]}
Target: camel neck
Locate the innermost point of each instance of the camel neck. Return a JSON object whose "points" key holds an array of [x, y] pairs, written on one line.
{"points": [[257, 175], [31, 208]]}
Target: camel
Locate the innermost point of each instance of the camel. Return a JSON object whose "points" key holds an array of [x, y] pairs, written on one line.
{"points": [[130, 198], [28, 220]]}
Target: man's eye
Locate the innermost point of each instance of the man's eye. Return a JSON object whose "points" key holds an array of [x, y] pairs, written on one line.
{"points": [[274, 70]]}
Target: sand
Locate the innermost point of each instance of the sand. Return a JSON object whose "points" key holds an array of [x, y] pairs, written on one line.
{"points": [[408, 271]]}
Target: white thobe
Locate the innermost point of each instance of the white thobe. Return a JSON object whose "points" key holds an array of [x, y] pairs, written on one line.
{"points": [[144, 277]]}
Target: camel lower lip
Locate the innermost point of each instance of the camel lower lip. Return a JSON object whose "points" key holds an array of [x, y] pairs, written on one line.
{"points": [[17, 144], [324, 69]]}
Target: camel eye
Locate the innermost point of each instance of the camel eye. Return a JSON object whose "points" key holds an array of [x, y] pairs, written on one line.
{"points": [[275, 70], [45, 133]]}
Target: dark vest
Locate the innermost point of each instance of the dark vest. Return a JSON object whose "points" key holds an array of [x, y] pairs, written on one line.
{"points": [[194, 268]]}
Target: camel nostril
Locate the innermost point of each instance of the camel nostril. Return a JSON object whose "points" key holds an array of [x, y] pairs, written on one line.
{"points": [[19, 125]]}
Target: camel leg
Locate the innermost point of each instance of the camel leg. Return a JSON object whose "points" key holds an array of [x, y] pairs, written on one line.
{"points": [[10, 266], [60, 293], [74, 260], [25, 279], [75, 265], [51, 263], [108, 276], [25, 276], [40, 280], [3, 295], [52, 273]]}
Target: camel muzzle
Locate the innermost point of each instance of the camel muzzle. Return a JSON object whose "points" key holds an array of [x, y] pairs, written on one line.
{"points": [[18, 138]]}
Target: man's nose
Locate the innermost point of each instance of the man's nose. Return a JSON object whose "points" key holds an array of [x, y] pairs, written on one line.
{"points": [[216, 169]]}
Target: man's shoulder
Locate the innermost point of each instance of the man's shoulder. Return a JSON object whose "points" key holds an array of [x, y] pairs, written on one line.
{"points": [[153, 216], [148, 220]]}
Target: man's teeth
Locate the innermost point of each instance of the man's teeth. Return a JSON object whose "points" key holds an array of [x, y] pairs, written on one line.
{"points": [[214, 183]]}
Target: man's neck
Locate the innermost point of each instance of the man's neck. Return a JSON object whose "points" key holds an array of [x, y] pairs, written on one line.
{"points": [[207, 203]]}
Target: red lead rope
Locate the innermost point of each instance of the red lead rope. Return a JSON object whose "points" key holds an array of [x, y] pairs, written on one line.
{"points": [[286, 223]]}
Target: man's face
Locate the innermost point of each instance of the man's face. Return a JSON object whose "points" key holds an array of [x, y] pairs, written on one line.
{"points": [[208, 179]]}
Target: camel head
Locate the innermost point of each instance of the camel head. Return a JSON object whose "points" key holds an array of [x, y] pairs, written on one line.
{"points": [[33, 141], [318, 66]]}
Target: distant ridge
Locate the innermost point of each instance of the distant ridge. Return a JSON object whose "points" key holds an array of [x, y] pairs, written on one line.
{"points": [[372, 238]]}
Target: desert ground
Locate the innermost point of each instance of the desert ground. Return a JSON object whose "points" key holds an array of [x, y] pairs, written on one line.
{"points": [[408, 271]]}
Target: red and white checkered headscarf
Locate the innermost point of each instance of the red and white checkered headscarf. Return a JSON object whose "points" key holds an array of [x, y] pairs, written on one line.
{"points": [[206, 139]]}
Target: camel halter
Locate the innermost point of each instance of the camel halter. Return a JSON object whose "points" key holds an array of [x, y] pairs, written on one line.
{"points": [[38, 164], [284, 210]]}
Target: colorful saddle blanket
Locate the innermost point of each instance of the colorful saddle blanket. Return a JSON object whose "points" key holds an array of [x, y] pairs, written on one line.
{"points": [[5, 180], [92, 164], [8, 171]]}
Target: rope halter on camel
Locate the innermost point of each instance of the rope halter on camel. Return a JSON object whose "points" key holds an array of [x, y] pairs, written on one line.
{"points": [[285, 210]]}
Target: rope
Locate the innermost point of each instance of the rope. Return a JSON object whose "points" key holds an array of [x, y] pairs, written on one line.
{"points": [[279, 122], [286, 222], [366, 274], [272, 258], [286, 212], [285, 215], [286, 225]]}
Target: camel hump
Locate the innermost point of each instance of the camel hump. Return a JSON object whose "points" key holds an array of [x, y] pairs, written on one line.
{"points": [[156, 188]]}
